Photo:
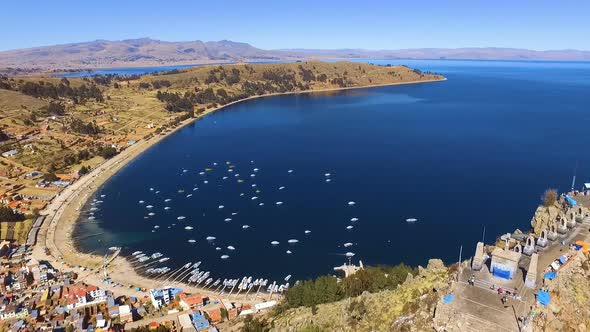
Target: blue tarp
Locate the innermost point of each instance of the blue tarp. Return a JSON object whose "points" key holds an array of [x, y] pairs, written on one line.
{"points": [[449, 298], [543, 297], [571, 200], [550, 275], [562, 259], [504, 274]]}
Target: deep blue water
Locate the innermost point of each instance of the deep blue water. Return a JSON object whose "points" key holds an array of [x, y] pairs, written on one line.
{"points": [[476, 150]]}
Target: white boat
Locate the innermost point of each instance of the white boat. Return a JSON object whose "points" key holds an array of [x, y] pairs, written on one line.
{"points": [[189, 195], [103, 196], [135, 253], [141, 202], [162, 260], [245, 226], [328, 180], [91, 218], [279, 203], [201, 173], [289, 252], [307, 231], [217, 248], [411, 220], [288, 277], [252, 175], [275, 243], [256, 170], [221, 207], [231, 248], [181, 217], [157, 255], [114, 248], [281, 187], [254, 198], [191, 241], [205, 182], [234, 213], [351, 203], [348, 244], [260, 204], [254, 185], [149, 206], [167, 200], [227, 219], [349, 227], [327, 175], [157, 191], [211, 238], [349, 254], [156, 226], [293, 241], [224, 178], [290, 171], [188, 228], [354, 219], [195, 189], [151, 189], [167, 208]]}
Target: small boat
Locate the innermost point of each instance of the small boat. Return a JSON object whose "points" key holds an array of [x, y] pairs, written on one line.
{"points": [[135, 253], [191, 241], [189, 195], [327, 175], [307, 231], [227, 219], [114, 248], [351, 203], [252, 175], [91, 218], [205, 181], [349, 254], [151, 189], [181, 217], [211, 238], [275, 243], [254, 185], [221, 207], [328, 180], [234, 213], [290, 171], [156, 226], [157, 191], [348, 244], [289, 252], [224, 256], [201, 173], [245, 226], [260, 204], [349, 227], [231, 248], [281, 187], [292, 241], [195, 189], [162, 260], [167, 200], [184, 171], [254, 198], [279, 203], [151, 214], [149, 206], [411, 220], [354, 219], [188, 228], [288, 277], [103, 196], [141, 202], [224, 178], [167, 208], [217, 248]]}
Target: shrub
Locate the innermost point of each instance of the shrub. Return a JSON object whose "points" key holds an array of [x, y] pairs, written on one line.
{"points": [[549, 197]]}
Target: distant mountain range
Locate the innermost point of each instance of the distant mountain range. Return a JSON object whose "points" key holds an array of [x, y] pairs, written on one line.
{"points": [[150, 52]]}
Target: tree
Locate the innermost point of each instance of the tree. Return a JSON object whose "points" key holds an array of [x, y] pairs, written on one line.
{"points": [[83, 170], [50, 177], [7, 214]]}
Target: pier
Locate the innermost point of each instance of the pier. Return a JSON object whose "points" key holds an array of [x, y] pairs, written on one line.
{"points": [[349, 269]]}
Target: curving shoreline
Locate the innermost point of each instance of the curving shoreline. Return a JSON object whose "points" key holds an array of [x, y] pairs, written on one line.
{"points": [[63, 212]]}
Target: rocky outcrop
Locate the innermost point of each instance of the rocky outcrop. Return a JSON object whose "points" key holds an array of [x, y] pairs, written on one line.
{"points": [[570, 295], [544, 217]]}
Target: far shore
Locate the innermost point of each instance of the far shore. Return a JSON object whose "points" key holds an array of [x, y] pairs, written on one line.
{"points": [[63, 212]]}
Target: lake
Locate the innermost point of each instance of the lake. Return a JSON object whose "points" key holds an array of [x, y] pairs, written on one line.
{"points": [[475, 151]]}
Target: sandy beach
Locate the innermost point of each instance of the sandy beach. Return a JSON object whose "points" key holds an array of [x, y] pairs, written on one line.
{"points": [[63, 212]]}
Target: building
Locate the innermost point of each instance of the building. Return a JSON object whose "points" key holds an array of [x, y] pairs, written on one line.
{"points": [[185, 323], [162, 297], [125, 314], [504, 263], [191, 302]]}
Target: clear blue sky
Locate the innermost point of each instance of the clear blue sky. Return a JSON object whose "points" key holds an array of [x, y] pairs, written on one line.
{"points": [[539, 24]]}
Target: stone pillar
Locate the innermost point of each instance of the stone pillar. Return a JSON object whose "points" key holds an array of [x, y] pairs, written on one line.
{"points": [[529, 248], [531, 274], [477, 261], [542, 240]]}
